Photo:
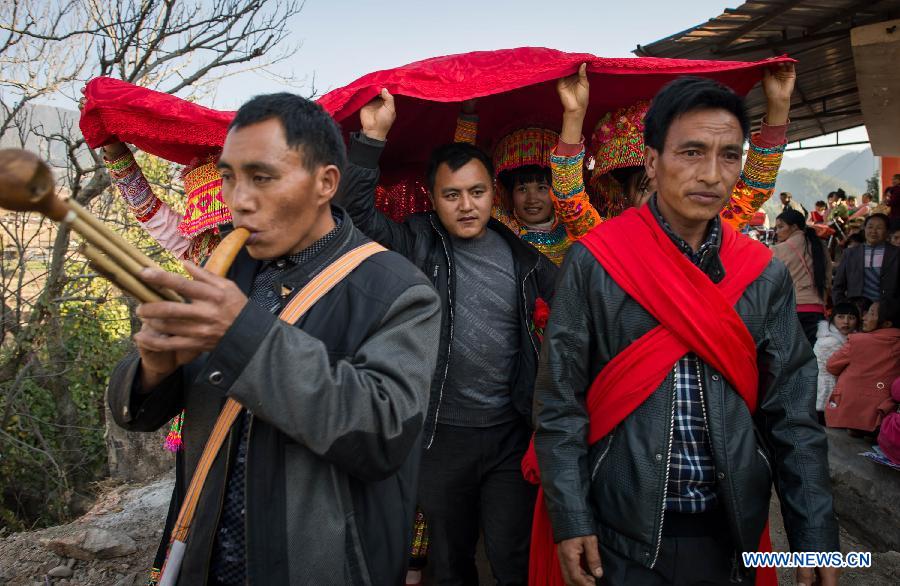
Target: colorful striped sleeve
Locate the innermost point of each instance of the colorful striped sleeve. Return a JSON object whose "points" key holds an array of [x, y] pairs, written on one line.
{"points": [[157, 218], [757, 182], [570, 200], [466, 128]]}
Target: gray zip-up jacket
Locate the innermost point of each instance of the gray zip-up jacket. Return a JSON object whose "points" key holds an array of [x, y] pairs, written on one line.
{"points": [[338, 402]]}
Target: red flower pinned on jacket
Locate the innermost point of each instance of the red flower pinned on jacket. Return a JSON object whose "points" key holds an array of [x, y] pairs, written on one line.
{"points": [[539, 318]]}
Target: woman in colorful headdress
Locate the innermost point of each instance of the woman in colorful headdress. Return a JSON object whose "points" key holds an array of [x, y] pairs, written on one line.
{"points": [[548, 211], [618, 180], [189, 236]]}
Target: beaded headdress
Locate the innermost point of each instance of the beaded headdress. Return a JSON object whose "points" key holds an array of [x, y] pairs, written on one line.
{"points": [[205, 209], [618, 139], [526, 146]]}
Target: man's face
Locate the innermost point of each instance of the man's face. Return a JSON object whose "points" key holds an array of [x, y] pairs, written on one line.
{"points": [[270, 192], [785, 198], [463, 198], [895, 238], [876, 231], [698, 166], [532, 203]]}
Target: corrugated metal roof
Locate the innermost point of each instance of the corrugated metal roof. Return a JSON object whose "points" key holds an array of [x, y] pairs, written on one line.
{"points": [[815, 32]]}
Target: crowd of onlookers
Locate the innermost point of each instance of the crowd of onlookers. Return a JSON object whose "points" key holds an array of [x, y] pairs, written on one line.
{"points": [[844, 258]]}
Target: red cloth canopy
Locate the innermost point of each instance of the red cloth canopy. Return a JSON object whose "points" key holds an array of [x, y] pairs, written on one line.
{"points": [[516, 87]]}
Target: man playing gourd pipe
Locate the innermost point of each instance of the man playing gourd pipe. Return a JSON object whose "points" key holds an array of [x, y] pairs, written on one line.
{"points": [[315, 484]]}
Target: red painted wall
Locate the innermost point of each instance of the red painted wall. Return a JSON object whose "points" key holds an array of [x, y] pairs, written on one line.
{"points": [[890, 166]]}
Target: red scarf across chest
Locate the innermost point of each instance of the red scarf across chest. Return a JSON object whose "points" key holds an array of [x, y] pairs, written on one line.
{"points": [[695, 315]]}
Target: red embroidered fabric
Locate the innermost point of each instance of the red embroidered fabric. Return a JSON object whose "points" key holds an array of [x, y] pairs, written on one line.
{"points": [[515, 87]]}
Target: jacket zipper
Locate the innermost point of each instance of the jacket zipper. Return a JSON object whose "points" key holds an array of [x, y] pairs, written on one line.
{"points": [[525, 307], [703, 407], [662, 512], [437, 410], [765, 459], [603, 454]]}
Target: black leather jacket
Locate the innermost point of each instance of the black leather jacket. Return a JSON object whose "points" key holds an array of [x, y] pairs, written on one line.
{"points": [[616, 488], [423, 240]]}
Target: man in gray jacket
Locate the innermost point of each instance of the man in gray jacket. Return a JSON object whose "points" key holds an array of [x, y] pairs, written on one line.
{"points": [[316, 482], [675, 384]]}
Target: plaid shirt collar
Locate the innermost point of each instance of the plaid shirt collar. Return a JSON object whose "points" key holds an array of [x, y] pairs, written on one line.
{"points": [[707, 256]]}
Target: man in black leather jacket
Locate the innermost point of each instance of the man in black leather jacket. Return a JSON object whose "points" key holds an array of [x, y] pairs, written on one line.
{"points": [[681, 485], [479, 415]]}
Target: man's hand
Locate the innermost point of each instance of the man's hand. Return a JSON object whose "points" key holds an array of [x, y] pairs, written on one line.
{"points": [[778, 85], [817, 576], [579, 559], [574, 92], [174, 333], [378, 116]]}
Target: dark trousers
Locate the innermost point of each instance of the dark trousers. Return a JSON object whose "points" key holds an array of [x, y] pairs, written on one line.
{"points": [[471, 480], [809, 321], [696, 550]]}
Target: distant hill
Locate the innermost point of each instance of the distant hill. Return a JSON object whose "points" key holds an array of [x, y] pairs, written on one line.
{"points": [[44, 121], [811, 159], [809, 185], [854, 168]]}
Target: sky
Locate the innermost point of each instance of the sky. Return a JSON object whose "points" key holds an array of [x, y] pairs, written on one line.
{"points": [[345, 39], [342, 40]]}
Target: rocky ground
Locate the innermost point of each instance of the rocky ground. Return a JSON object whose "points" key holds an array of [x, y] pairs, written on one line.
{"points": [[115, 542]]}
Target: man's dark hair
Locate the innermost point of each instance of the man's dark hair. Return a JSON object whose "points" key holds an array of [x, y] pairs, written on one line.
{"points": [[845, 308], [689, 94], [856, 237], [455, 155], [307, 127], [883, 217]]}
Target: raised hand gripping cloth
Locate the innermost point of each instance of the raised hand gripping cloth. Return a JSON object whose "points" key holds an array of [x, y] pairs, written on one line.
{"points": [[292, 312]]}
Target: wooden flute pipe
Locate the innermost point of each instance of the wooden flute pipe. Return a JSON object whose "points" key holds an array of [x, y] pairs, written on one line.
{"points": [[26, 184], [117, 275]]}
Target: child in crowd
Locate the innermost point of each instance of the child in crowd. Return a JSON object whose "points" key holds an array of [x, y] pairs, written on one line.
{"points": [[865, 367], [894, 238], [889, 436], [817, 216], [831, 336]]}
